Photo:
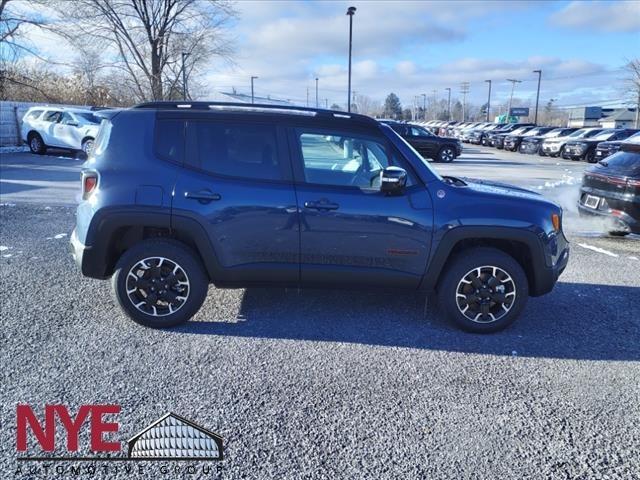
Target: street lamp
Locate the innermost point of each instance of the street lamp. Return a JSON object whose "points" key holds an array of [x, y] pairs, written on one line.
{"points": [[539, 72], [449, 104], [513, 86], [424, 106], [184, 75], [317, 105], [488, 100], [252, 79], [351, 11]]}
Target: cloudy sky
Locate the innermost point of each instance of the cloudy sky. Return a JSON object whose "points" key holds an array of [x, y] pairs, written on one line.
{"points": [[419, 47]]}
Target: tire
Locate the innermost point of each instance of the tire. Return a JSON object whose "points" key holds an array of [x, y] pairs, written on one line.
{"points": [[87, 146], [618, 233], [590, 157], [541, 153], [172, 253], [446, 154], [36, 144], [510, 278]]}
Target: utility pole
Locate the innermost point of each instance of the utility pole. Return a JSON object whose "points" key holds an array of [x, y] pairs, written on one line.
{"points": [[252, 79], [184, 75], [424, 106], [464, 89], [539, 72], [353, 101], [513, 86], [326, 103], [489, 101], [449, 104], [435, 104], [351, 11], [317, 105]]}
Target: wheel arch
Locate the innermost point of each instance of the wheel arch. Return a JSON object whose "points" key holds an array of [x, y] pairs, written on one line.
{"points": [[522, 245]]}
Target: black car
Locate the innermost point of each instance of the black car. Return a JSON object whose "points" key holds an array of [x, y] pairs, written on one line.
{"points": [[478, 136], [585, 148], [604, 149], [497, 139], [532, 144], [512, 141], [611, 188], [440, 149]]}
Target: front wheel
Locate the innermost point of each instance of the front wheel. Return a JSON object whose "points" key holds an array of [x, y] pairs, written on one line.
{"points": [[446, 155], [483, 290], [87, 146], [591, 156], [159, 283]]}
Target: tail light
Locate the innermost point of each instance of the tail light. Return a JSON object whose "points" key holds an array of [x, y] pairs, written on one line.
{"points": [[89, 184]]}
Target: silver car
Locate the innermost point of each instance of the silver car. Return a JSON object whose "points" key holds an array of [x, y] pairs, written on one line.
{"points": [[68, 128]]}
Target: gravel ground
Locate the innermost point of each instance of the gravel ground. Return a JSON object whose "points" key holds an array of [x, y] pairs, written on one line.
{"points": [[331, 384]]}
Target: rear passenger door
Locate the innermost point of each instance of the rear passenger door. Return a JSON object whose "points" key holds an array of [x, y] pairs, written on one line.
{"points": [[237, 183]]}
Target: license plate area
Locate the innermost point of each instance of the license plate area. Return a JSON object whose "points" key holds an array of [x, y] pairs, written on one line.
{"points": [[592, 201]]}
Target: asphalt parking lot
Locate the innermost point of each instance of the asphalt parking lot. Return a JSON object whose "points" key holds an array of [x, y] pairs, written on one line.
{"points": [[333, 384]]}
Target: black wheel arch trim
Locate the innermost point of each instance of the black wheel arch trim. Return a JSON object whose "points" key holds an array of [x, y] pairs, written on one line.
{"points": [[542, 277]]}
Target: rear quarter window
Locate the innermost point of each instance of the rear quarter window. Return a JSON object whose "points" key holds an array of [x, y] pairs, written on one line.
{"points": [[169, 140], [33, 114]]}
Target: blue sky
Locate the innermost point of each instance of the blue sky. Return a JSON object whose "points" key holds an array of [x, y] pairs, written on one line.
{"points": [[415, 47]]}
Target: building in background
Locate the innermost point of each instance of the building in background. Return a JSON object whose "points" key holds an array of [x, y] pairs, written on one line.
{"points": [[621, 118], [601, 117]]}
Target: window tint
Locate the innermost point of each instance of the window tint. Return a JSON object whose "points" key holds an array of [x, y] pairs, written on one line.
{"points": [[169, 140], [67, 119], [32, 115], [343, 160], [52, 116], [88, 117], [627, 163], [419, 132], [247, 151]]}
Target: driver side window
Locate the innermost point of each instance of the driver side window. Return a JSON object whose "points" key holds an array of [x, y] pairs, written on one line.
{"points": [[335, 159]]}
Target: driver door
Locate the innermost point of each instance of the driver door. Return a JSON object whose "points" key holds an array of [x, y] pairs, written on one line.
{"points": [[350, 232]]}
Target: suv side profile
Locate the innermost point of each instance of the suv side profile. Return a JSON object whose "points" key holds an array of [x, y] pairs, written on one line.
{"points": [[67, 128], [177, 196], [439, 149]]}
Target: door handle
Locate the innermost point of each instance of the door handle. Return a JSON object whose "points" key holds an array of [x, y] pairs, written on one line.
{"points": [[203, 196], [321, 205]]}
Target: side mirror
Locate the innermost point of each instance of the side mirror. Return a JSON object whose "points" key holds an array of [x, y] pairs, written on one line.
{"points": [[393, 180]]}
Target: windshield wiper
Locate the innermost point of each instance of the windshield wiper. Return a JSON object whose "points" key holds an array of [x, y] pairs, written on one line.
{"points": [[454, 181]]}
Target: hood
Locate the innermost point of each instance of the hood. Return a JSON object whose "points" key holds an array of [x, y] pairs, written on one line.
{"points": [[537, 138], [500, 188]]}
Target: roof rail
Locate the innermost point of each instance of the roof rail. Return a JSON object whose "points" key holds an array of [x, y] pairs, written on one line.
{"points": [[255, 107]]}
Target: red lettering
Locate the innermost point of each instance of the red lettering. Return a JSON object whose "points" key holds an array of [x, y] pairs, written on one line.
{"points": [[45, 436], [72, 426], [99, 428]]}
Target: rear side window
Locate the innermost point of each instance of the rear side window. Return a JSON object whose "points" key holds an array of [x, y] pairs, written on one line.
{"points": [[242, 150], [52, 116], [32, 115], [627, 163], [169, 140]]}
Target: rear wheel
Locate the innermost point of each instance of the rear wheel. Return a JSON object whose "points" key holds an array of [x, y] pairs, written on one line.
{"points": [[483, 290], [159, 283], [87, 146], [36, 144], [446, 155], [591, 156]]}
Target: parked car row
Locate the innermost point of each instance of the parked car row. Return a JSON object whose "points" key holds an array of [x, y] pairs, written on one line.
{"points": [[426, 143], [590, 144]]}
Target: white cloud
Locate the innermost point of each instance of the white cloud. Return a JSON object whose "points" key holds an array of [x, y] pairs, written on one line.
{"points": [[601, 16]]}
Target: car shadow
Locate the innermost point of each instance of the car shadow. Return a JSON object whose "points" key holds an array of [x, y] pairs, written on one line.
{"points": [[576, 321]]}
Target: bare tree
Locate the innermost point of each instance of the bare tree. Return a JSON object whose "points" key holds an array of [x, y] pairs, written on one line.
{"points": [[149, 37], [632, 69]]}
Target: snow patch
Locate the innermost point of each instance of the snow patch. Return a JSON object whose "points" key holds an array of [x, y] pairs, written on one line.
{"points": [[60, 235], [632, 257], [3, 248], [598, 249], [7, 204], [8, 255], [14, 149]]}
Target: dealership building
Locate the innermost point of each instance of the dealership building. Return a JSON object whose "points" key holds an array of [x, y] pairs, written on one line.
{"points": [[602, 117]]}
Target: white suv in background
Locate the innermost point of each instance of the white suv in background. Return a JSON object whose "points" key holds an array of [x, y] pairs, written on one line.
{"points": [[69, 128]]}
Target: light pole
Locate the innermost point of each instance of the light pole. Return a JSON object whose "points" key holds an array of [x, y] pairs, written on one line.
{"points": [[539, 72], [252, 79], [351, 11], [184, 75], [489, 101], [424, 106], [513, 86], [449, 104], [317, 92]]}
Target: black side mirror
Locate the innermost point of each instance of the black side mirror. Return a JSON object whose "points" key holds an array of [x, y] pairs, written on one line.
{"points": [[393, 180]]}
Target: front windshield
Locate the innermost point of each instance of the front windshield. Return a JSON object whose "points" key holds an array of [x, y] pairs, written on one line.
{"points": [[604, 135], [578, 133], [553, 133], [519, 131], [532, 132], [591, 133], [87, 117]]}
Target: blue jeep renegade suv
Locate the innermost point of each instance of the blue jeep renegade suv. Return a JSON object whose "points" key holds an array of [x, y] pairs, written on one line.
{"points": [[180, 195]]}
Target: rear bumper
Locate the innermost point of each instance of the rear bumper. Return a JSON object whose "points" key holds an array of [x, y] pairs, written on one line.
{"points": [[619, 220]]}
